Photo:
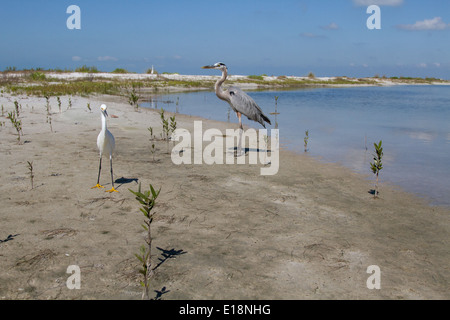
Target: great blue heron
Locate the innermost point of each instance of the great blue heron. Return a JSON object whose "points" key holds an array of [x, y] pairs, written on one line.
{"points": [[240, 102], [105, 144]]}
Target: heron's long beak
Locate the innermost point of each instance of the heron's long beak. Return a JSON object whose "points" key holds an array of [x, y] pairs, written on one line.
{"points": [[105, 113], [208, 67]]}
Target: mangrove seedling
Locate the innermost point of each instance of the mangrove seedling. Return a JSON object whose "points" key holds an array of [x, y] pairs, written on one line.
{"points": [[147, 199], [17, 124], [150, 129], [376, 166], [173, 126], [16, 106], [153, 150], [165, 126], [70, 104], [47, 105], [305, 140], [133, 98], [276, 113], [49, 120], [31, 173]]}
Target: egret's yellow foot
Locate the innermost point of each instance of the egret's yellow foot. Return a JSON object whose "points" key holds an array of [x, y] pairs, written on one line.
{"points": [[111, 190], [97, 186]]}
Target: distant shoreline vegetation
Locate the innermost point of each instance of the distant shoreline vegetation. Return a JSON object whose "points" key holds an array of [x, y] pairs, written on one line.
{"points": [[90, 80]]}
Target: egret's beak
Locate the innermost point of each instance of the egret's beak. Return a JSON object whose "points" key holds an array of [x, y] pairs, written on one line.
{"points": [[208, 67], [105, 113]]}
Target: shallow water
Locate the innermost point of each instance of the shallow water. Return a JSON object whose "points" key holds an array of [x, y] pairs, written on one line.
{"points": [[343, 123]]}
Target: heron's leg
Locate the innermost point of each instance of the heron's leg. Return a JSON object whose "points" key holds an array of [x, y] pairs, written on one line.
{"points": [[98, 179], [241, 129], [112, 176]]}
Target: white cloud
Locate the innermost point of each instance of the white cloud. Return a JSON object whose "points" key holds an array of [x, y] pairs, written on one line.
{"points": [[366, 3], [356, 65], [331, 26], [76, 58], [426, 65], [427, 24], [107, 58], [311, 35]]}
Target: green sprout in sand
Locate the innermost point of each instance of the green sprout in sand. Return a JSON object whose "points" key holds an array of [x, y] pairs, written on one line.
{"points": [[305, 140], [150, 129], [17, 107], [153, 150], [30, 171], [376, 166], [133, 98], [70, 104], [17, 124], [173, 125], [47, 105], [147, 199], [165, 126]]}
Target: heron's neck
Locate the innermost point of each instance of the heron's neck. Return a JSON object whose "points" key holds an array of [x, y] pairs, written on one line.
{"points": [[218, 87]]}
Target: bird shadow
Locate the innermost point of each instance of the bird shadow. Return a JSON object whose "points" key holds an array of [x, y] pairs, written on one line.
{"points": [[168, 254], [159, 293], [372, 192], [122, 181], [9, 238]]}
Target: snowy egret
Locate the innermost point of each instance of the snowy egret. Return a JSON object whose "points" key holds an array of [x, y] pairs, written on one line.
{"points": [[105, 144]]}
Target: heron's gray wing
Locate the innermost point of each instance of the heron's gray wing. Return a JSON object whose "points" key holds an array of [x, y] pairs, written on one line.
{"points": [[244, 104]]}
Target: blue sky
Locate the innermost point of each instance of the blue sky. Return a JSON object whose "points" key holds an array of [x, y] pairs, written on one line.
{"points": [[284, 37]]}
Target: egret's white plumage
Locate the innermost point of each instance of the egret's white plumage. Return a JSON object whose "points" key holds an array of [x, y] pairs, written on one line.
{"points": [[105, 144]]}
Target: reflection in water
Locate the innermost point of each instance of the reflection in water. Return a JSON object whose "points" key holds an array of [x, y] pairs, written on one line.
{"points": [[416, 134]]}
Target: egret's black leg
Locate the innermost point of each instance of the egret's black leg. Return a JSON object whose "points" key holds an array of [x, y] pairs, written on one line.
{"points": [[99, 171]]}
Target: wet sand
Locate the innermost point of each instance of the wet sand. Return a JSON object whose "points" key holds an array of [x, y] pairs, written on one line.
{"points": [[220, 231]]}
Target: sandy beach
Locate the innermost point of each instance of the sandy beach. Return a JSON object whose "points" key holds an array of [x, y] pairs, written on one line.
{"points": [[220, 231]]}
